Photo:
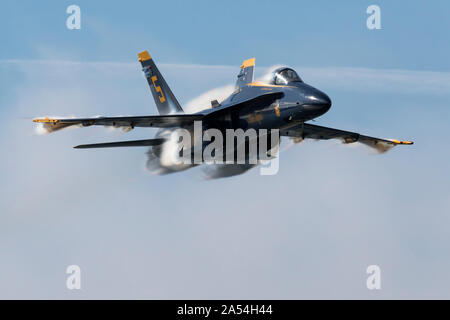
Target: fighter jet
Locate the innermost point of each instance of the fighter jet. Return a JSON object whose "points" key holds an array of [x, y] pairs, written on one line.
{"points": [[285, 102]]}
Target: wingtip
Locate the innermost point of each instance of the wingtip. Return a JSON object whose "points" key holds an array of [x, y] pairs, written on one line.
{"points": [[45, 120], [402, 142]]}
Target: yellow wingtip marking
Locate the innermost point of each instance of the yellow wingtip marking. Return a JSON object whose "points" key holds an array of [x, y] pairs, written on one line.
{"points": [[144, 56], [248, 63], [45, 120], [401, 142]]}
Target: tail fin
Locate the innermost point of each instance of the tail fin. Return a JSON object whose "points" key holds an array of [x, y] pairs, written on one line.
{"points": [[164, 98], [245, 76]]}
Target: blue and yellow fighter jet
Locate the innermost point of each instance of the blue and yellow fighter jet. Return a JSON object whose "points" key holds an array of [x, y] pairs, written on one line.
{"points": [[285, 103]]}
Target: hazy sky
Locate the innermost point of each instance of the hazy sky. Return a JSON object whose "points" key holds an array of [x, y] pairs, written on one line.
{"points": [[308, 232]]}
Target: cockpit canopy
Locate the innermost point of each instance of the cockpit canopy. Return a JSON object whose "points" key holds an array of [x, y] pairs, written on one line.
{"points": [[283, 76]]}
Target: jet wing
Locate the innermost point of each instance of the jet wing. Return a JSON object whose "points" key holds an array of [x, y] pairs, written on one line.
{"points": [[311, 131], [160, 121]]}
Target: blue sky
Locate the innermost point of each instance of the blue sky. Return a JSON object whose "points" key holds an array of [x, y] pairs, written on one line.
{"points": [[414, 34], [308, 232]]}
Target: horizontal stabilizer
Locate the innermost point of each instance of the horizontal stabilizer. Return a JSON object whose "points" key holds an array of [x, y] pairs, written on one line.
{"points": [[134, 143]]}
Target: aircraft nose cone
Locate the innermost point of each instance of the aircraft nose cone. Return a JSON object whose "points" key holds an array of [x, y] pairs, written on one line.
{"points": [[319, 101]]}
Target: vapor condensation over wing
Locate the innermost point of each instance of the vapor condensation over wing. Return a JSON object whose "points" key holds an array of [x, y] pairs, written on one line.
{"points": [[216, 171]]}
